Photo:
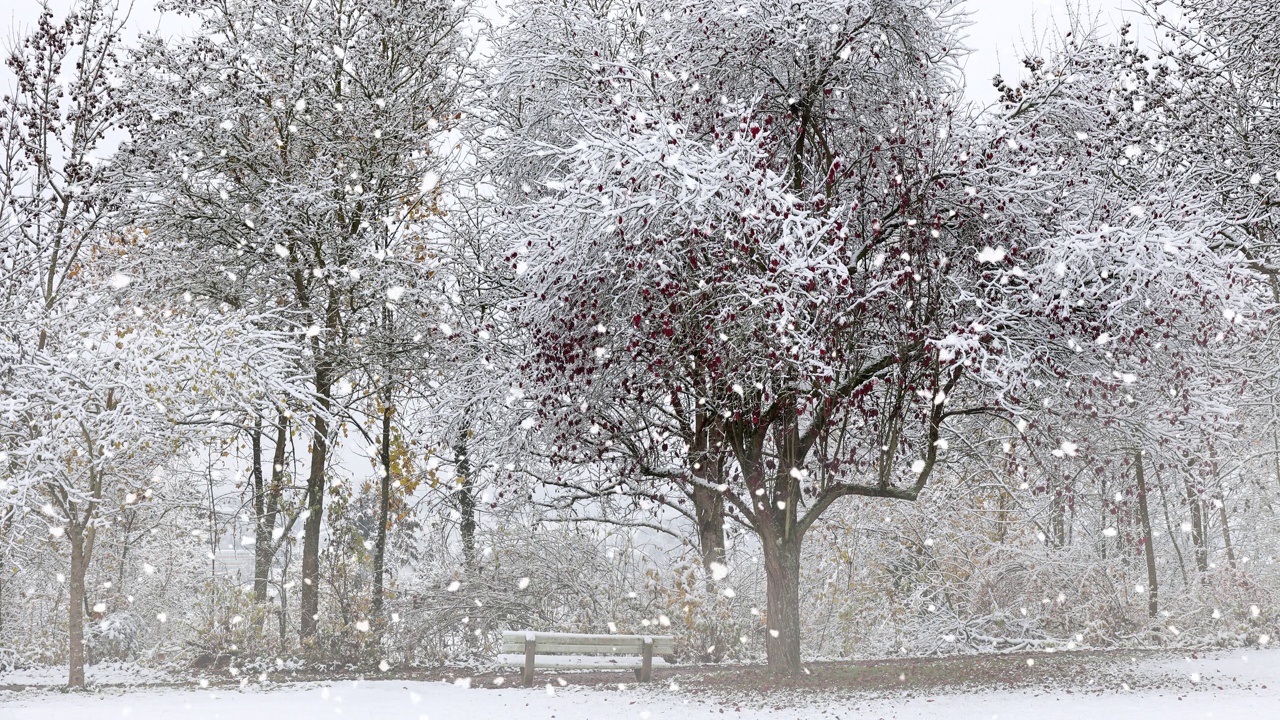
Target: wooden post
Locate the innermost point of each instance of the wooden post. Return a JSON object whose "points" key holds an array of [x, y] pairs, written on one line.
{"points": [[646, 664], [530, 650]]}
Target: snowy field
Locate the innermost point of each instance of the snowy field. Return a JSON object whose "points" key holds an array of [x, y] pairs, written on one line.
{"points": [[1242, 684]]}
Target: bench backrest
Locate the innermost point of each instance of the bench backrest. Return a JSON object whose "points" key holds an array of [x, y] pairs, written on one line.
{"points": [[551, 643]]}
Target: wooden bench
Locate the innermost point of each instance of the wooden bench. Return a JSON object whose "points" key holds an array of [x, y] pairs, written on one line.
{"points": [[571, 651]]}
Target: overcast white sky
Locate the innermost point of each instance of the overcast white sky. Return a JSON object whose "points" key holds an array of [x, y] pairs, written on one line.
{"points": [[1001, 29]]}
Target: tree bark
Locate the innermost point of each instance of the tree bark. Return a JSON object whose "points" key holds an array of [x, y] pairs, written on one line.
{"points": [[81, 533], [1153, 588], [259, 509], [1058, 512], [1220, 500], [708, 508], [266, 505], [1226, 534], [75, 609], [781, 540], [782, 637], [1058, 518], [310, 596], [708, 503], [384, 508], [1168, 524], [1197, 527]]}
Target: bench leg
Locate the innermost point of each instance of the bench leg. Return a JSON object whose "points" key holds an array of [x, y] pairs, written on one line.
{"points": [[530, 650], [639, 675], [646, 663]]}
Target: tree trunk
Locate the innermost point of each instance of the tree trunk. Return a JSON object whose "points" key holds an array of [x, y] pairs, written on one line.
{"points": [[780, 542], [259, 488], [708, 508], [1002, 515], [310, 612], [466, 500], [1003, 497], [1220, 499], [283, 608], [75, 609], [1058, 518], [1058, 513], [1153, 588], [1168, 524], [384, 508], [782, 637], [1105, 520], [1197, 527], [266, 506], [1226, 534], [708, 503]]}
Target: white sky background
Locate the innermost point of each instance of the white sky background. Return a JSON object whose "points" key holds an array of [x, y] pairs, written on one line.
{"points": [[1001, 30]]}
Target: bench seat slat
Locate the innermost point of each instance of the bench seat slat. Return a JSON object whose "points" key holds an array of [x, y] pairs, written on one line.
{"points": [[557, 648], [659, 648], [513, 641], [586, 638], [577, 662]]}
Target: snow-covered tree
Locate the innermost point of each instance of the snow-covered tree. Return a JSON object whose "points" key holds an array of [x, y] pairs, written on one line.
{"points": [[753, 224], [282, 156], [1136, 319], [104, 381]]}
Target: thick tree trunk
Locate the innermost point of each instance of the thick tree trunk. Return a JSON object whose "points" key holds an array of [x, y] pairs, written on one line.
{"points": [[466, 500], [708, 503], [310, 611], [708, 508], [780, 542], [782, 637], [75, 609], [1153, 587], [384, 508]]}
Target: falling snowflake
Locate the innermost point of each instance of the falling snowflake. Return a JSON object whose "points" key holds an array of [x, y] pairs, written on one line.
{"points": [[990, 255]]}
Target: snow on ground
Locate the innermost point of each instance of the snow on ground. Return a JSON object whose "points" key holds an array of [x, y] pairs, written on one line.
{"points": [[1251, 682], [111, 673]]}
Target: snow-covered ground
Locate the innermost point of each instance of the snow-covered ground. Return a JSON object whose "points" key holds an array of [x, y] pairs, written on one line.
{"points": [[112, 673], [1243, 684]]}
